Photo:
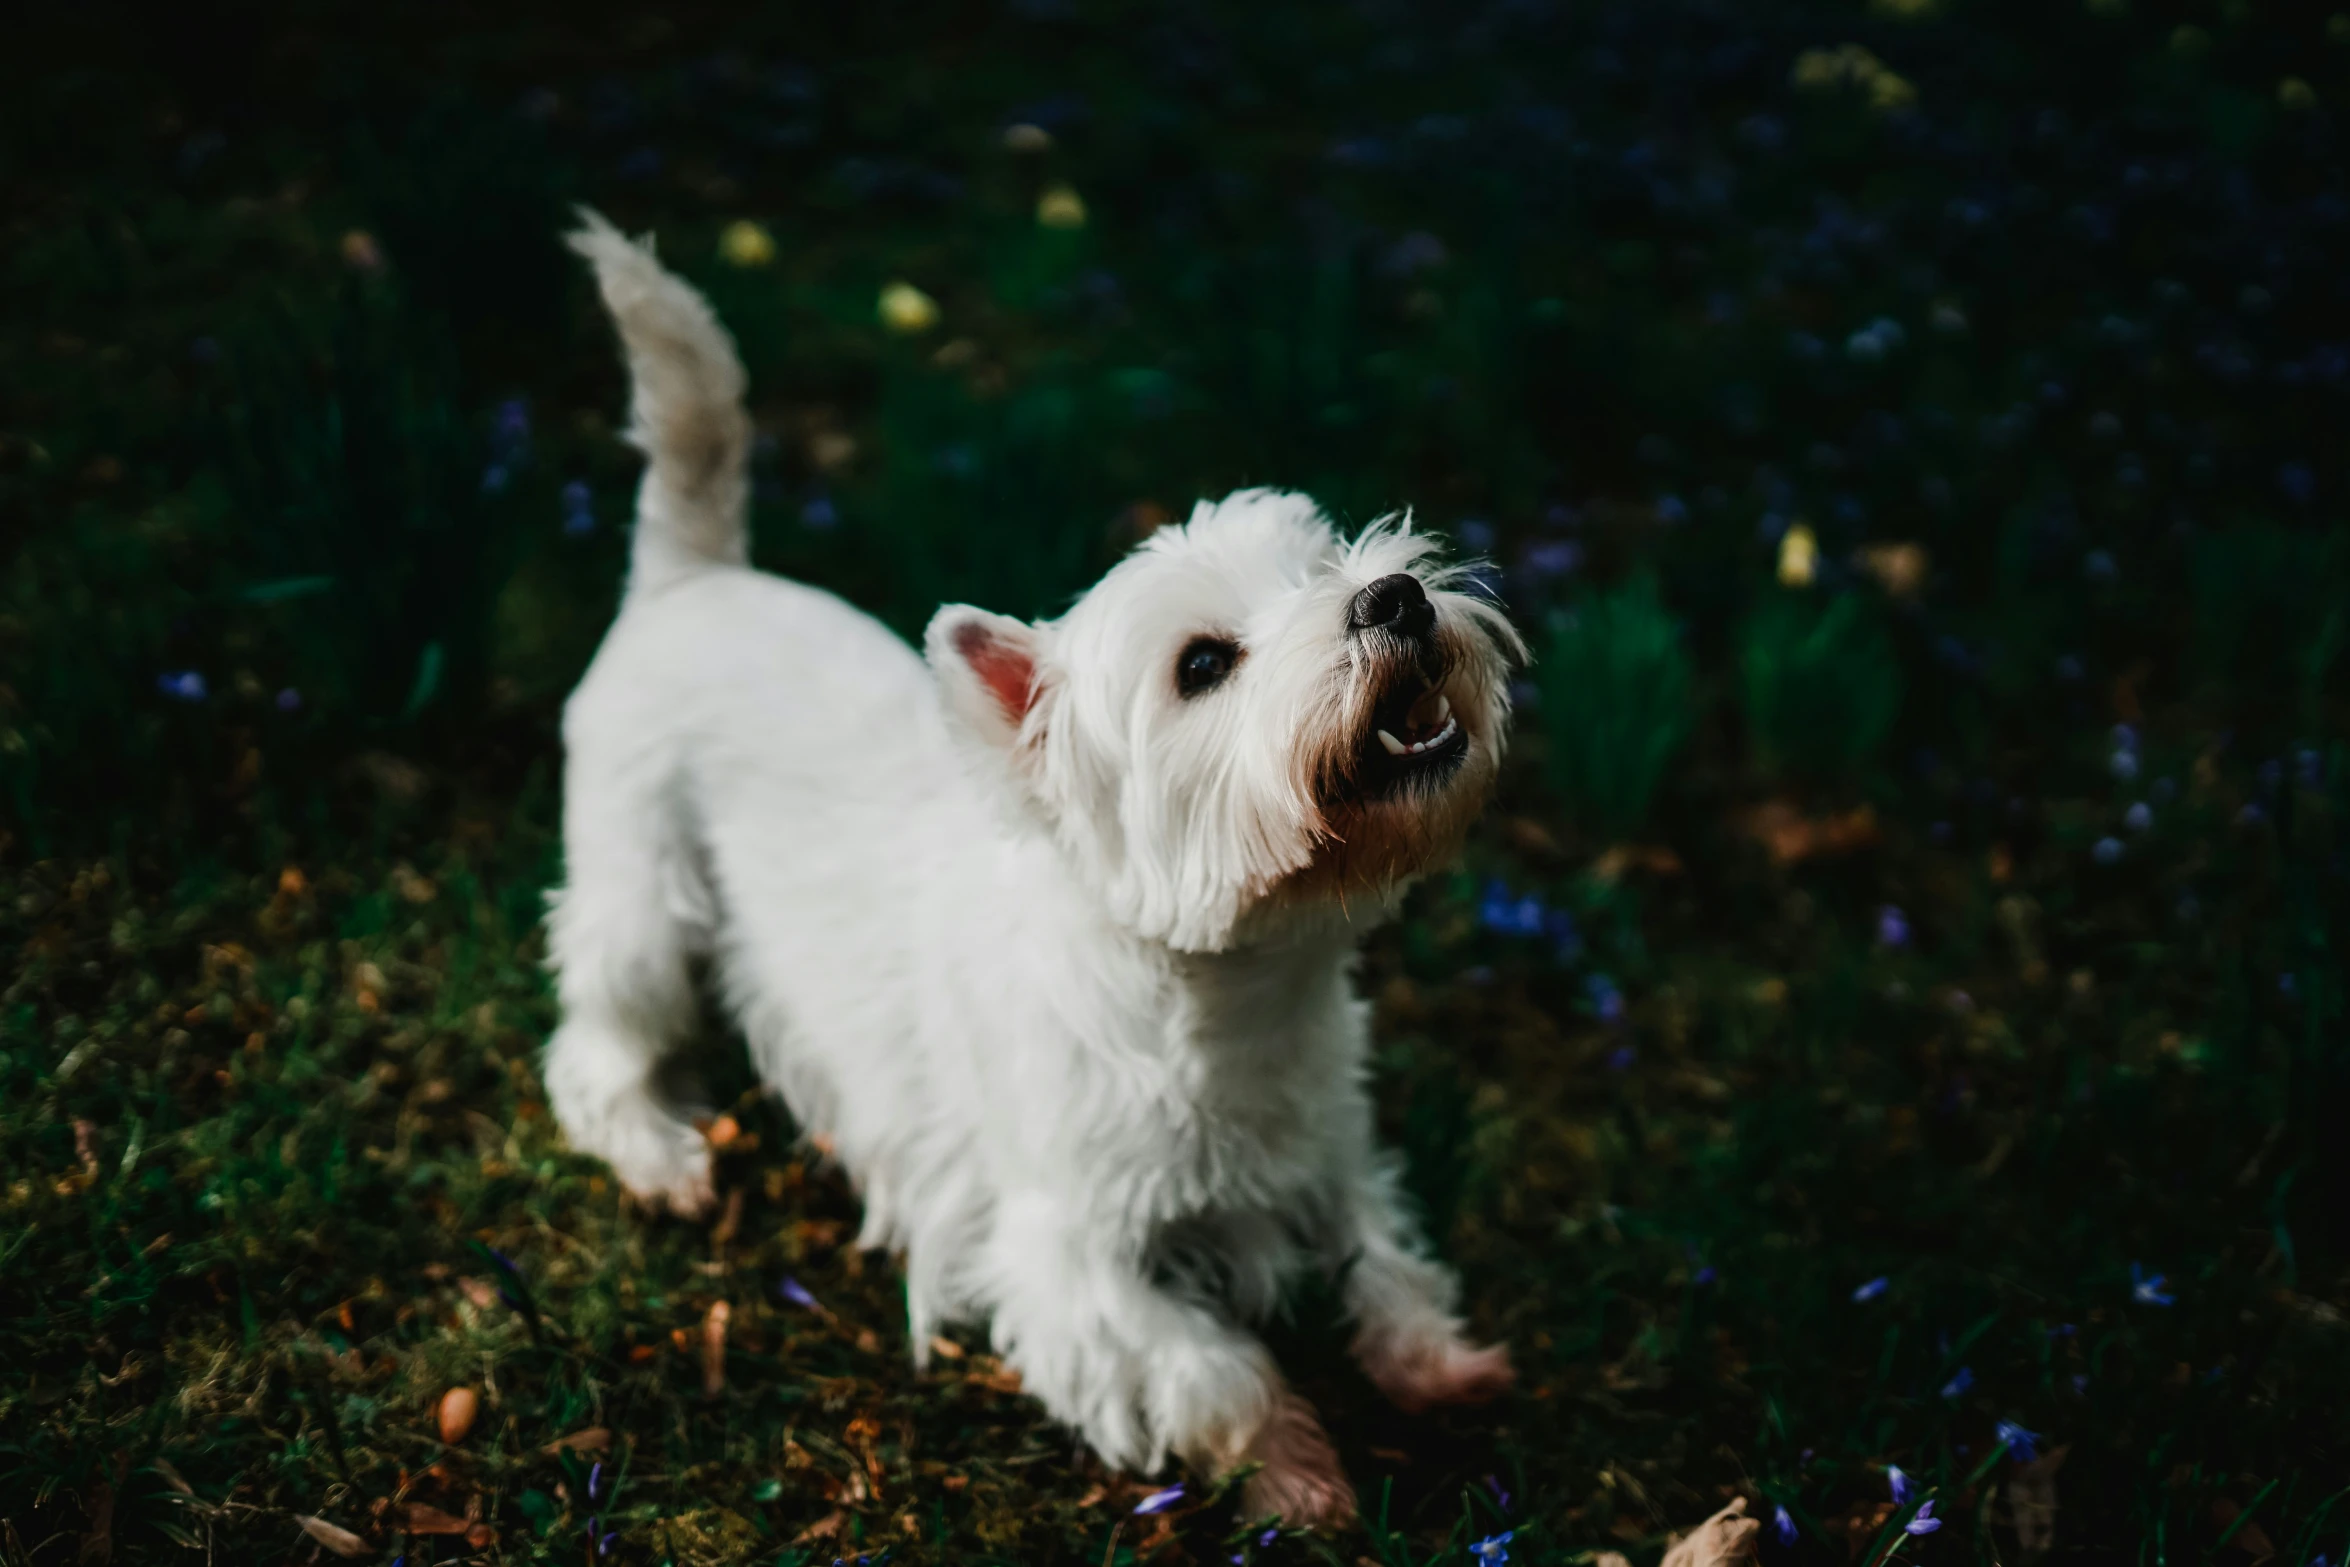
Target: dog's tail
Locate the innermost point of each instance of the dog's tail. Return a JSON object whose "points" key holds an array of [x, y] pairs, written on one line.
{"points": [[685, 411]]}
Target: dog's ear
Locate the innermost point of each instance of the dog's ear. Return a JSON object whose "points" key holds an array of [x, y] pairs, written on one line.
{"points": [[990, 671]]}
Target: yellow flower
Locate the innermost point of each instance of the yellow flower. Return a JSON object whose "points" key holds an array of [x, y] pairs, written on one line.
{"points": [[1850, 65], [1818, 69], [1890, 92], [745, 244], [906, 310], [2296, 95], [1028, 138], [1060, 208], [1799, 557]]}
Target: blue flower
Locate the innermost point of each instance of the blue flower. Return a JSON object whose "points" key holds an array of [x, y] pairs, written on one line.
{"points": [[1705, 1275], [604, 1545], [2138, 817], [1899, 1482], [1159, 1501], [1871, 1290], [1963, 1379], [1925, 1522], [2025, 1445], [1607, 1002], [2107, 851], [819, 514], [1268, 1537], [1493, 1550], [1621, 1058], [1475, 536], [579, 508], [289, 700], [1892, 927], [2123, 765], [595, 1479], [1511, 916], [184, 685], [1783, 1525], [2147, 1288], [1553, 557], [1501, 1497], [793, 1290]]}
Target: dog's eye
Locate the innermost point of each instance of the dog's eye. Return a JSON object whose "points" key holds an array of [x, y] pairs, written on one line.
{"points": [[1203, 664]]}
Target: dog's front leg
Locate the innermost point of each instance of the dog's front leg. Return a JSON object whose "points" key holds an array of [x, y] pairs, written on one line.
{"points": [[1409, 1339], [1142, 1372]]}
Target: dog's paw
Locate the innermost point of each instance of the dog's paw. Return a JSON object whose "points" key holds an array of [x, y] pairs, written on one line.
{"points": [[1417, 1374], [1300, 1479], [661, 1161]]}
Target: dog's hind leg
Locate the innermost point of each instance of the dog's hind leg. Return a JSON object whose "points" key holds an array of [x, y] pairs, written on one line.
{"points": [[621, 934]]}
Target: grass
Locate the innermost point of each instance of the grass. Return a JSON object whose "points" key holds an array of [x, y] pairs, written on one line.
{"points": [[1880, 1015]]}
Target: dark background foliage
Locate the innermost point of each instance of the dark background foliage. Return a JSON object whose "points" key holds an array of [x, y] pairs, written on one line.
{"points": [[1957, 903]]}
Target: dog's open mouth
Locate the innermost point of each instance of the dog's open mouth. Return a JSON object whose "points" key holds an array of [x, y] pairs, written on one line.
{"points": [[1414, 733]]}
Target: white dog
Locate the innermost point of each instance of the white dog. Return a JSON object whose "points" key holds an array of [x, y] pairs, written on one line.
{"points": [[1050, 931]]}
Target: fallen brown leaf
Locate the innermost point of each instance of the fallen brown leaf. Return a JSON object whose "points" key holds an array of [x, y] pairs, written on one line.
{"points": [[334, 1537], [1792, 837], [1612, 863], [723, 1232], [714, 1347], [2031, 1501], [1728, 1536], [417, 1518], [1900, 569], [595, 1439], [823, 1528], [98, 1544]]}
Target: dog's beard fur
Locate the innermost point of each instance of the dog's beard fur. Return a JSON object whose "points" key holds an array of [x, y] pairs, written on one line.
{"points": [[1215, 819]]}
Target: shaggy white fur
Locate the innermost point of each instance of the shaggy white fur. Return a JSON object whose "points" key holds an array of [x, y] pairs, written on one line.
{"points": [[1050, 932]]}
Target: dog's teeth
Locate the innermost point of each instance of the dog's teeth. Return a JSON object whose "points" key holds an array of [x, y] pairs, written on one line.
{"points": [[1394, 746], [1443, 707]]}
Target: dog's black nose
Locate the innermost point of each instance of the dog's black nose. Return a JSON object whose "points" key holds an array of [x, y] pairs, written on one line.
{"points": [[1398, 603]]}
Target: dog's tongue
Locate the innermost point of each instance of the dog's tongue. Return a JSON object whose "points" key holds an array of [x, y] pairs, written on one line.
{"points": [[1432, 709], [1425, 721]]}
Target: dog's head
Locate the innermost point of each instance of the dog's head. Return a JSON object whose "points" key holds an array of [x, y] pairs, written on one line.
{"points": [[1249, 720]]}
